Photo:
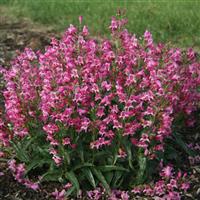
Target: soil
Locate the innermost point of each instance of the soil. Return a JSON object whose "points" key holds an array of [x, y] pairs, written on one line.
{"points": [[16, 35], [11, 190], [192, 136]]}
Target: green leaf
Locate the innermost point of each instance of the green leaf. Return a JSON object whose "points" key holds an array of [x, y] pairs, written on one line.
{"points": [[66, 155], [93, 114], [109, 176], [129, 153], [81, 152], [20, 153], [88, 174], [100, 154], [52, 175], [27, 142], [182, 144], [83, 165], [108, 168], [116, 178], [70, 191], [170, 152], [142, 168], [72, 178], [102, 179], [42, 151], [115, 157], [119, 182], [37, 162]]}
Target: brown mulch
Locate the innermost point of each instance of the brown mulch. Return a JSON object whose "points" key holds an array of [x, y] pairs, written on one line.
{"points": [[192, 136], [16, 35], [11, 190]]}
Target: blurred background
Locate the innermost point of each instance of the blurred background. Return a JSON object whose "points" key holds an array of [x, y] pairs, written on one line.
{"points": [[175, 22]]}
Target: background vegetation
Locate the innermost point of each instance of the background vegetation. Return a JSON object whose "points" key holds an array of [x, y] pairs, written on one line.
{"points": [[175, 21]]}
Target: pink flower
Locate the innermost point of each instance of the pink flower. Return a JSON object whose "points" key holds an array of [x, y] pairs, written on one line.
{"points": [[58, 195], [85, 124], [106, 85], [95, 194], [134, 141], [1, 174], [80, 18], [66, 141], [51, 128], [67, 186], [173, 196], [72, 29], [31, 185], [2, 154], [57, 160], [185, 186], [100, 111], [136, 190], [85, 31], [191, 54], [124, 195], [99, 143], [148, 191], [12, 165], [117, 124], [167, 171], [148, 38], [21, 168], [114, 24], [172, 184], [122, 153]]}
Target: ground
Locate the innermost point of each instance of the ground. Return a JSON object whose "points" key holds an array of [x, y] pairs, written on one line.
{"points": [[17, 34]]}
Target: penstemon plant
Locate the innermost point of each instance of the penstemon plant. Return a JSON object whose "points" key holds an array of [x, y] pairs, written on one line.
{"points": [[92, 114]]}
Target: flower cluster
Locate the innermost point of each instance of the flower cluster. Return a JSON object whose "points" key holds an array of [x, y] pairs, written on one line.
{"points": [[168, 187], [18, 171], [99, 193], [119, 96], [60, 195]]}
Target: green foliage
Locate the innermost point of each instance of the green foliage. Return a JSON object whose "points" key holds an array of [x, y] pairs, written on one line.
{"points": [[179, 141], [102, 179], [142, 169]]}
